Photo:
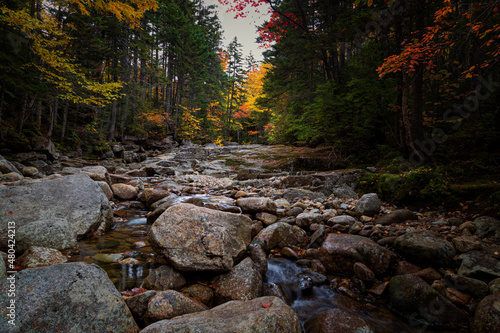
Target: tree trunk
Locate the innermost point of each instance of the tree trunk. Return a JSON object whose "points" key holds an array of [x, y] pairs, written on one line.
{"points": [[53, 114], [64, 120], [112, 123]]}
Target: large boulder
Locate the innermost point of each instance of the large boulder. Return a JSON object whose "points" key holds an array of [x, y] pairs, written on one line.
{"points": [[368, 204], [260, 315], [425, 247], [244, 282], [37, 256], [340, 252], [164, 278], [7, 167], [413, 298], [200, 239], [338, 321], [55, 233], [257, 205], [71, 297], [479, 266], [280, 235], [77, 198]]}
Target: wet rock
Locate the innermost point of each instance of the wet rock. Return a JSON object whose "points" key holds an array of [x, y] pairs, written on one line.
{"points": [[342, 219], [425, 247], [306, 219], [478, 266], [260, 315], [289, 253], [338, 321], [397, 216], [138, 305], [124, 191], [200, 293], [108, 257], [487, 316], [259, 258], [378, 289], [169, 304], [363, 273], [243, 282], [97, 173], [279, 235], [54, 233], [340, 252], [164, 278], [356, 228], [70, 297], [200, 239], [37, 256], [368, 204], [413, 298], [106, 189], [473, 287], [257, 205], [266, 218], [318, 237], [488, 227], [294, 211]]}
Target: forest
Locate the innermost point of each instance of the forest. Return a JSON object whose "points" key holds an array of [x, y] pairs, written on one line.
{"points": [[410, 83]]}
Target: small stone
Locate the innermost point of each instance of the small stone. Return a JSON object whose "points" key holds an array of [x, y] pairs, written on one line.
{"points": [[363, 272], [266, 218], [289, 253]]}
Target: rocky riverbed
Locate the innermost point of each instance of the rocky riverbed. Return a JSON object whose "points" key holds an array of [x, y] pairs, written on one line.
{"points": [[213, 239]]}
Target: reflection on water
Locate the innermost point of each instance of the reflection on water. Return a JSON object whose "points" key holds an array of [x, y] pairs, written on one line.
{"points": [[128, 239]]}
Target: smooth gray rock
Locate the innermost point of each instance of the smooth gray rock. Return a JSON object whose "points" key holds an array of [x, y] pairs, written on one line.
{"points": [[368, 204], [257, 205], [55, 233], [77, 198], [425, 247], [97, 173], [71, 297], [280, 235], [260, 315]]}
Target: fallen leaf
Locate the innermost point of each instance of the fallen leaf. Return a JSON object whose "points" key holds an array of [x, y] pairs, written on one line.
{"points": [[266, 305]]}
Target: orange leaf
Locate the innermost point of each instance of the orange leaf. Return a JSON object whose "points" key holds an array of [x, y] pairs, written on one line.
{"points": [[266, 305]]}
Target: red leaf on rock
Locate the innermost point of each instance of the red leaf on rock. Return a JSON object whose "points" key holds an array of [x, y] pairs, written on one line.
{"points": [[266, 305]]}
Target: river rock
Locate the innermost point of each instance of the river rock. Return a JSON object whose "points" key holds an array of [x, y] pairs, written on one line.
{"points": [[138, 305], [152, 195], [30, 171], [201, 293], [37, 256], [260, 315], [465, 244], [97, 173], [7, 167], [124, 191], [244, 282], [200, 239], [473, 287], [413, 298], [487, 316], [293, 193], [338, 321], [106, 189], [164, 278], [54, 233], [363, 272], [397, 216], [340, 252], [341, 219], [279, 235], [256, 205], [259, 258], [479, 266], [488, 227], [369, 205], [306, 219], [266, 218], [77, 198], [169, 304], [11, 177], [425, 247], [70, 297]]}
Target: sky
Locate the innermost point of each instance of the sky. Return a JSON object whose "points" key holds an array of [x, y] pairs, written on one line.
{"points": [[243, 28]]}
